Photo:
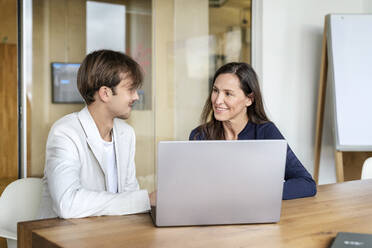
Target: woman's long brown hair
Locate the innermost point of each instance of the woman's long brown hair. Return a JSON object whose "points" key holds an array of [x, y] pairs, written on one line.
{"points": [[212, 129]]}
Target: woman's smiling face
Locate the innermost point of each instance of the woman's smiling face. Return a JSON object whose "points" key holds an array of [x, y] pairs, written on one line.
{"points": [[228, 99]]}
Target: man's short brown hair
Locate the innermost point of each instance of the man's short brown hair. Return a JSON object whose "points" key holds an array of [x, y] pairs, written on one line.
{"points": [[106, 68]]}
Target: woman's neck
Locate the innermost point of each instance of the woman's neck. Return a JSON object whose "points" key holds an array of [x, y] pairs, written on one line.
{"points": [[232, 128]]}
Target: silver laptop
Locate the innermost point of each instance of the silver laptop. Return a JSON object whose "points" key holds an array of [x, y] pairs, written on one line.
{"points": [[219, 182]]}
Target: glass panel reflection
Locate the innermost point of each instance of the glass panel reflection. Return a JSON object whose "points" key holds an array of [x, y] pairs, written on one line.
{"points": [[180, 47], [64, 32]]}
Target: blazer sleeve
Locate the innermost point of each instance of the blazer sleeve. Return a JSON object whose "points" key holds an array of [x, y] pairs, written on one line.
{"points": [[298, 181], [70, 199]]}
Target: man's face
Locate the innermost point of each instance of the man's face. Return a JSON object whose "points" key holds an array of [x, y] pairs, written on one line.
{"points": [[120, 104]]}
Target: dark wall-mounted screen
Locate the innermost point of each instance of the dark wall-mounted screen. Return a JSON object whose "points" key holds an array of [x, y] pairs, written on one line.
{"points": [[64, 88]]}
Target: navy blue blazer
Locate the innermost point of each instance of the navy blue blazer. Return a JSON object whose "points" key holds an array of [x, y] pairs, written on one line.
{"points": [[298, 182]]}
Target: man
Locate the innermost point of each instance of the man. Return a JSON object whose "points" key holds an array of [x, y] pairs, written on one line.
{"points": [[89, 169]]}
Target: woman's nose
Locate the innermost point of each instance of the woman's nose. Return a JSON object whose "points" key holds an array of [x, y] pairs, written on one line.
{"points": [[219, 98]]}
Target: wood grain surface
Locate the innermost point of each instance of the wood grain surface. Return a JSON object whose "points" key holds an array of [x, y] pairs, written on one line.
{"points": [[307, 222]]}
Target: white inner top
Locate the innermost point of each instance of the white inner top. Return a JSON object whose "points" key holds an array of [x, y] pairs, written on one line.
{"points": [[110, 165]]}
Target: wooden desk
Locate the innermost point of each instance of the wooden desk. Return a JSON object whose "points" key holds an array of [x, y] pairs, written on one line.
{"points": [[308, 222]]}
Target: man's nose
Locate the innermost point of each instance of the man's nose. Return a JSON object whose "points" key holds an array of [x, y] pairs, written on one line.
{"points": [[135, 96]]}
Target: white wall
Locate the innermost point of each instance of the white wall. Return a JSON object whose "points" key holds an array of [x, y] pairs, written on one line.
{"points": [[289, 71], [368, 6]]}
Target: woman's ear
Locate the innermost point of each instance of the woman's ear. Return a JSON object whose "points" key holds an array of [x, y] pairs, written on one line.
{"points": [[250, 99]]}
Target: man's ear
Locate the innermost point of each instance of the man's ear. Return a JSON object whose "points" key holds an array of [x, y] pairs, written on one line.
{"points": [[104, 93]]}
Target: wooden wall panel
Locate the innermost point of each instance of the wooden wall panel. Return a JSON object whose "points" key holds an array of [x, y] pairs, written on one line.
{"points": [[8, 111], [8, 21]]}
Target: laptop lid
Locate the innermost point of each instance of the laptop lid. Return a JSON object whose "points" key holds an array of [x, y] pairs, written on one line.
{"points": [[219, 182]]}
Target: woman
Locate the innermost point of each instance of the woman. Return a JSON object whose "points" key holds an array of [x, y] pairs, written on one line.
{"points": [[234, 111]]}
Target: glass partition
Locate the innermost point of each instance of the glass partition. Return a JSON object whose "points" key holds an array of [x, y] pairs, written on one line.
{"points": [[192, 40], [62, 33], [179, 44]]}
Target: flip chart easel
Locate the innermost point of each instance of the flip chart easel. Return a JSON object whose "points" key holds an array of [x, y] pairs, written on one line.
{"points": [[350, 155]]}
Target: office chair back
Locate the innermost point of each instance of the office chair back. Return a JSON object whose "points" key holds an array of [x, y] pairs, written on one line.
{"points": [[367, 169], [20, 201]]}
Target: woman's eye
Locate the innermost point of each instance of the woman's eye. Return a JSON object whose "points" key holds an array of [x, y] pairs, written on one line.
{"points": [[214, 90]]}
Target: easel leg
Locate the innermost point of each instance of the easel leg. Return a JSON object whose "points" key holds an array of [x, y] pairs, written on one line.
{"points": [[339, 167], [321, 102]]}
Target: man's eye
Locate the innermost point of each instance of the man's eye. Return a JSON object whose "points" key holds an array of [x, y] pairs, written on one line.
{"points": [[214, 90]]}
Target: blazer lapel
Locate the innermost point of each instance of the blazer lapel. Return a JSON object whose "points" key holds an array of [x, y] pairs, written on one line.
{"points": [[122, 149], [93, 136]]}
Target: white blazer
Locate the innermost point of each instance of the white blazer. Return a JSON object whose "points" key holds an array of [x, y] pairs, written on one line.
{"points": [[74, 183]]}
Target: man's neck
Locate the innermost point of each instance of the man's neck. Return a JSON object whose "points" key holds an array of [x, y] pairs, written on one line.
{"points": [[103, 120]]}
